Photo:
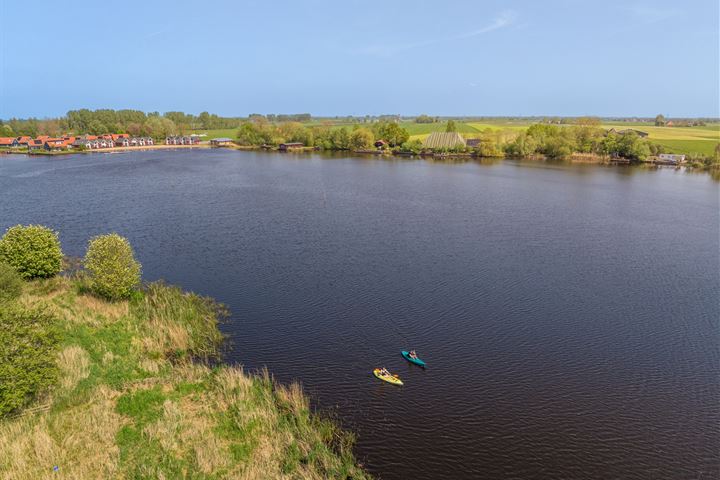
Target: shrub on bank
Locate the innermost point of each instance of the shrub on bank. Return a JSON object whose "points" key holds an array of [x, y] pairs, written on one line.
{"points": [[10, 283], [32, 250], [28, 340], [113, 271]]}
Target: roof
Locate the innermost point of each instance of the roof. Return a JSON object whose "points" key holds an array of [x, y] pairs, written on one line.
{"points": [[472, 142], [7, 140], [444, 140], [221, 139]]}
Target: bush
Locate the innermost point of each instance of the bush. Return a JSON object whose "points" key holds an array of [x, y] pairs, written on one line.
{"points": [[32, 250], [114, 273], [10, 283], [28, 339]]}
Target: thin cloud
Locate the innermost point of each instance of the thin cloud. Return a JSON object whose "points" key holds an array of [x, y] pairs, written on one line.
{"points": [[503, 20]]}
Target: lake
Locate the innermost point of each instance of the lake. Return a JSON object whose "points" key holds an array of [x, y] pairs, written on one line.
{"points": [[569, 315]]}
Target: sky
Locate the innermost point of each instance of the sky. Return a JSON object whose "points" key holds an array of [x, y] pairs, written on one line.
{"points": [[327, 58]]}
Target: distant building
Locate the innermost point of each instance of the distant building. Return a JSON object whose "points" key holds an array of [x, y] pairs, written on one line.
{"points": [[35, 144], [443, 140], [625, 131], [54, 144], [182, 140], [8, 142], [380, 144], [472, 142], [672, 158], [216, 142], [23, 141], [290, 145]]}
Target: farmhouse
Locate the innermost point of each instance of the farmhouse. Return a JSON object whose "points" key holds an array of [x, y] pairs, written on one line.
{"points": [[443, 140], [216, 142], [8, 142]]}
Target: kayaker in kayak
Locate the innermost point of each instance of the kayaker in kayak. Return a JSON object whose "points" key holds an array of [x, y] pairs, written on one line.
{"points": [[384, 372], [412, 354]]}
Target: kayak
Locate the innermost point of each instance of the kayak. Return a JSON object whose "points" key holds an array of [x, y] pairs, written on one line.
{"points": [[416, 361], [388, 378]]}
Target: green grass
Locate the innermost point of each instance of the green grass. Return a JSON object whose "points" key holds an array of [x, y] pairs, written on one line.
{"points": [[221, 133], [133, 401]]}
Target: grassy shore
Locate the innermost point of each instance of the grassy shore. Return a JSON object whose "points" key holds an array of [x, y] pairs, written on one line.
{"points": [[134, 400]]}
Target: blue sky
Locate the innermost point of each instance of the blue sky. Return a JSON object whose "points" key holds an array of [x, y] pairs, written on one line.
{"points": [[494, 57]]}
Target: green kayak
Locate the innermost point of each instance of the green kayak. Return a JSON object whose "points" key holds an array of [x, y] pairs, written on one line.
{"points": [[410, 359]]}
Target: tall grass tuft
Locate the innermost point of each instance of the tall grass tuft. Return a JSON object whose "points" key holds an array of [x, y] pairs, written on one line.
{"points": [[183, 325]]}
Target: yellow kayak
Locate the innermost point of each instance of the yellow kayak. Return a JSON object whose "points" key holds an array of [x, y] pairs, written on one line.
{"points": [[394, 379]]}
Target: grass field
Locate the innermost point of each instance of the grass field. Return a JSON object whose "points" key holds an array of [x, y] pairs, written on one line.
{"points": [[222, 133], [131, 403]]}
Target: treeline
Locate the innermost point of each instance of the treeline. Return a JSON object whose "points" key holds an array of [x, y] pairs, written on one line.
{"points": [[258, 133], [133, 122], [274, 117], [554, 141]]}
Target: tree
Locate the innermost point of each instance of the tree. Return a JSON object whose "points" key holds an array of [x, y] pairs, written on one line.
{"points": [[10, 283], [32, 250], [6, 131], [424, 119], [660, 120], [114, 273], [391, 132], [160, 127], [361, 139], [28, 343], [451, 127]]}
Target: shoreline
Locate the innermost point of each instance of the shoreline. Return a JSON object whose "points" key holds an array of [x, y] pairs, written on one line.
{"points": [[105, 150], [577, 159], [141, 390]]}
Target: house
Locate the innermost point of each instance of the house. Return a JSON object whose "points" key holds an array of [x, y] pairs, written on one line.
{"points": [[55, 144], [216, 142], [284, 147], [8, 142], [35, 144], [23, 141], [671, 158], [380, 144], [122, 142], [79, 142], [118, 136], [444, 140], [472, 142]]}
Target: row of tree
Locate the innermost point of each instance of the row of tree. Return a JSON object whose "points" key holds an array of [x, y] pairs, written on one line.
{"points": [[257, 133], [134, 122]]}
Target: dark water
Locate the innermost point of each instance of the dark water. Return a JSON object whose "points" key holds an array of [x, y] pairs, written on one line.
{"points": [[569, 315]]}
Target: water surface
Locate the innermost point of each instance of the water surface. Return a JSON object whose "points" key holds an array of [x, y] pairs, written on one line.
{"points": [[569, 315]]}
